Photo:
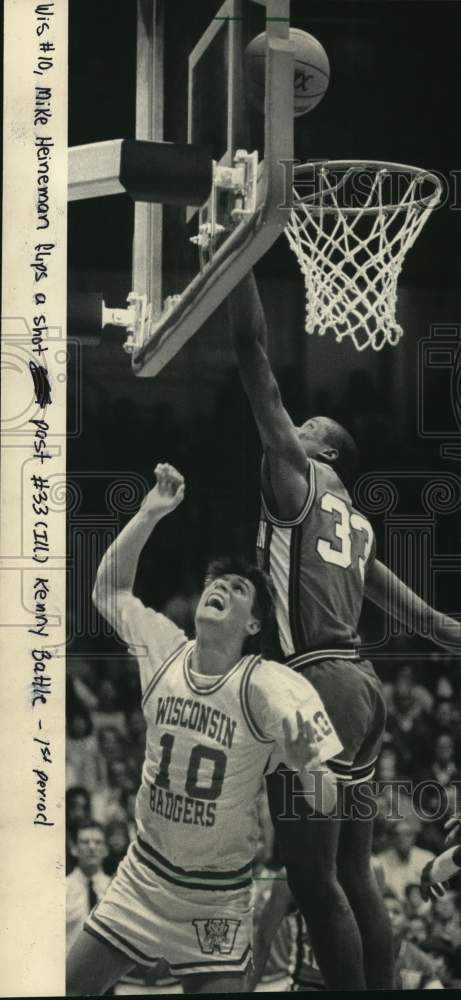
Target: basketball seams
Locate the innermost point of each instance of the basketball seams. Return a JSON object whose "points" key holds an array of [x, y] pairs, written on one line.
{"points": [[311, 71], [298, 62]]}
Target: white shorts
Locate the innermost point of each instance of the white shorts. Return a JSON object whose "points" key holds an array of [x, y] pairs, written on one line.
{"points": [[195, 930]]}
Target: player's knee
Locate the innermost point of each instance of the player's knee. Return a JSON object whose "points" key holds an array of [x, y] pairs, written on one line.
{"points": [[312, 882], [357, 879]]}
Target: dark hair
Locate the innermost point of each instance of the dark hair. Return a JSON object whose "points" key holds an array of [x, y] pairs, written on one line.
{"points": [[388, 894], [89, 824], [347, 462], [74, 792], [410, 886], [264, 602]]}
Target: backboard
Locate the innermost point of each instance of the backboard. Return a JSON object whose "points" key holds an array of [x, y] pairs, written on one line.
{"points": [[189, 89], [203, 101]]}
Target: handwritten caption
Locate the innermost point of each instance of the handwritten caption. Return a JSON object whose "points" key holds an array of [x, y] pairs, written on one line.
{"points": [[41, 656]]}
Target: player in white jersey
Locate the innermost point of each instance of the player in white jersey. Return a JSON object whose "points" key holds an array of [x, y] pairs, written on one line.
{"points": [[216, 716]]}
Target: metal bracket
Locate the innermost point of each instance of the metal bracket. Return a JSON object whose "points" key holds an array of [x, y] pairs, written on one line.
{"points": [[251, 235], [136, 319]]}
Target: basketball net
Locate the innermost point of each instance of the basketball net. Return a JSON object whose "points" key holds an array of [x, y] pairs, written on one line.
{"points": [[350, 233]]}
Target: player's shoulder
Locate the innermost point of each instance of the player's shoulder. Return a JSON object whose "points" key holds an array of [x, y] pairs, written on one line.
{"points": [[326, 478], [274, 676]]}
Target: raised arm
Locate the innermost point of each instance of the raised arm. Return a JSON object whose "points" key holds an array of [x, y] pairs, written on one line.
{"points": [[117, 570], [385, 589], [286, 471]]}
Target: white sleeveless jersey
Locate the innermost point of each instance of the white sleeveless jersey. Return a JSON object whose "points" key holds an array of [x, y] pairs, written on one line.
{"points": [[207, 749]]}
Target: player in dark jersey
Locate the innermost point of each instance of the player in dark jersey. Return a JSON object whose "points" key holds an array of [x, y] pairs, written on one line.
{"points": [[321, 556]]}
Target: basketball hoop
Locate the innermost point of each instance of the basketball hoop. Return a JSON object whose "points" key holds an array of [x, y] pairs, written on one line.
{"points": [[351, 226]]}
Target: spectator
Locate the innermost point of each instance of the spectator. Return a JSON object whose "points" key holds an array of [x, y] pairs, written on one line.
{"points": [[129, 685], [445, 719], [417, 931], [444, 687], [414, 903], [446, 924], [387, 765], [417, 695], [444, 768], [107, 801], [118, 841], [394, 801], [77, 812], [111, 744], [87, 883], [108, 712], [402, 862], [112, 747], [136, 728], [413, 969], [82, 756], [408, 725], [446, 960]]}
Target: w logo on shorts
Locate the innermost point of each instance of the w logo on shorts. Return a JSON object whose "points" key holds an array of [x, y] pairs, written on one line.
{"points": [[216, 935]]}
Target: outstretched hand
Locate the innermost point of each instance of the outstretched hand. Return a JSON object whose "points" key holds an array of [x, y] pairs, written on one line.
{"points": [[429, 889], [447, 633], [300, 746], [167, 493], [452, 830]]}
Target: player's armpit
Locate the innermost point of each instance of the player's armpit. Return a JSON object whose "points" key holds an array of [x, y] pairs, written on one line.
{"points": [[285, 484]]}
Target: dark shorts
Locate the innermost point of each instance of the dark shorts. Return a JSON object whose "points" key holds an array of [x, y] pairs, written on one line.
{"points": [[353, 697]]}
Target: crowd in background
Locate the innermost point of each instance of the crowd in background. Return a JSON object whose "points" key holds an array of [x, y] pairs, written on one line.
{"points": [[418, 782]]}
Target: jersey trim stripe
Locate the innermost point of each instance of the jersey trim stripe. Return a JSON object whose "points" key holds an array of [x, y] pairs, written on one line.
{"points": [[300, 660], [214, 687], [192, 879], [190, 871], [190, 883], [278, 521], [160, 672], [235, 964], [106, 934], [245, 704], [350, 773], [294, 603]]}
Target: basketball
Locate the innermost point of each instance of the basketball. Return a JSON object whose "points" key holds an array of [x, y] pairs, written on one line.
{"points": [[311, 71]]}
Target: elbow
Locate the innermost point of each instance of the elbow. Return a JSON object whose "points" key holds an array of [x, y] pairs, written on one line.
{"points": [[101, 589], [96, 595]]}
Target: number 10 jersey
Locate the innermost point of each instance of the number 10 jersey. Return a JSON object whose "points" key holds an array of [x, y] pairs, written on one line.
{"points": [[208, 745]]}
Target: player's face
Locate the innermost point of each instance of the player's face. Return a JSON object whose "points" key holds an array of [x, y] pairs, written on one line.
{"points": [[312, 436], [228, 601]]}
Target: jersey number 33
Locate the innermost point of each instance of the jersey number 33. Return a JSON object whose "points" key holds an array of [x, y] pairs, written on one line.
{"points": [[346, 524]]}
